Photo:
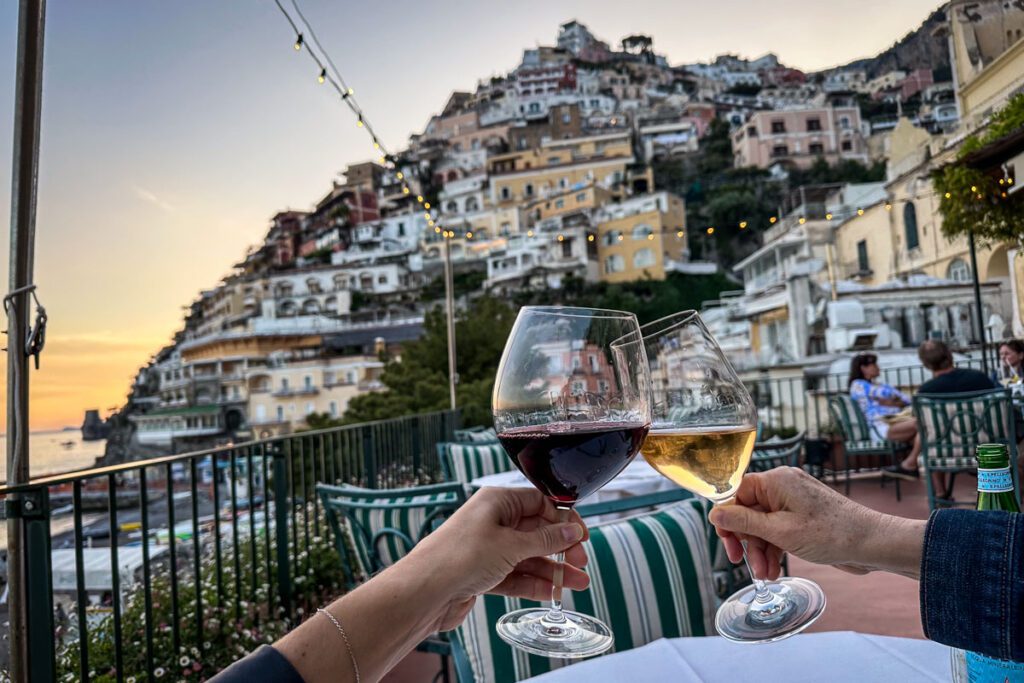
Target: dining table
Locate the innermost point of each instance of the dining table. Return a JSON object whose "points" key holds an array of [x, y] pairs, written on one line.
{"points": [[833, 656]]}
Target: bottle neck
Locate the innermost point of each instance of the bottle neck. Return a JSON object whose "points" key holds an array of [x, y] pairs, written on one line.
{"points": [[995, 477]]}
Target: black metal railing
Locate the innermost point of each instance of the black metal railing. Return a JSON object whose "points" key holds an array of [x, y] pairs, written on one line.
{"points": [[145, 569], [788, 405]]}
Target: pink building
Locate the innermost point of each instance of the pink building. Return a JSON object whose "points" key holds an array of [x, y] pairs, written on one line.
{"points": [[797, 137]]}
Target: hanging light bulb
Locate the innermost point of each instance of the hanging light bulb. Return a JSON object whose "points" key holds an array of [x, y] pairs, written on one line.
{"points": [[772, 220], [679, 234], [888, 207], [350, 92], [360, 122], [322, 77], [405, 190], [711, 231], [426, 205], [419, 198], [298, 42], [399, 175], [561, 238], [828, 216], [743, 225], [948, 195], [469, 235], [860, 212], [529, 233], [590, 238], [437, 229]]}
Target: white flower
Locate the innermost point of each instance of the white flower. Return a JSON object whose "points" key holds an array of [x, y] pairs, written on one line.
{"points": [[130, 679], [158, 672], [183, 660]]}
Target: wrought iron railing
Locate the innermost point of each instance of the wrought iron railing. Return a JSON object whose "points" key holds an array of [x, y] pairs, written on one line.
{"points": [[209, 540]]}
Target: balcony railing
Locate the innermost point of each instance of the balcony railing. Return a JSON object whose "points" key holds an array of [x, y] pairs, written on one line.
{"points": [[240, 522]]}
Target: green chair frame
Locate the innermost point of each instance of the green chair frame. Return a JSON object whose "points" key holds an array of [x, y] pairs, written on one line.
{"points": [[782, 453], [952, 426], [858, 439]]}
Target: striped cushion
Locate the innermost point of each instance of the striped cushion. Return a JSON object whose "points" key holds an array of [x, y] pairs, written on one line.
{"points": [[383, 529], [871, 446], [650, 578], [465, 462], [966, 462]]}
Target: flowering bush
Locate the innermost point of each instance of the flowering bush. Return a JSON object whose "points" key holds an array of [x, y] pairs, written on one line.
{"points": [[241, 607]]}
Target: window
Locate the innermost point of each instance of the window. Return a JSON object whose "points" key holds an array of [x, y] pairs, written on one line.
{"points": [[593, 362], [844, 123], [563, 182], [752, 131], [778, 126], [780, 151], [560, 204], [280, 413], [382, 279], [578, 388], [284, 384], [401, 229], [506, 228], [611, 238], [581, 197], [603, 386], [641, 232], [476, 143], [472, 204], [534, 107], [505, 193], [452, 207], [910, 225], [614, 264], [644, 258], [334, 409], [813, 124], [310, 409], [328, 378], [959, 271], [566, 118], [350, 376], [816, 148], [554, 160], [847, 145], [307, 382], [576, 363], [862, 257], [528, 190]]}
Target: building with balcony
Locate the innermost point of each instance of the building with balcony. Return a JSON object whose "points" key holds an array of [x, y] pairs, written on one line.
{"points": [[291, 387], [540, 259], [165, 427], [642, 237], [798, 137]]}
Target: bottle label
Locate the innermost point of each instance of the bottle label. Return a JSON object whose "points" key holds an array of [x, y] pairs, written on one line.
{"points": [[995, 481], [982, 669]]}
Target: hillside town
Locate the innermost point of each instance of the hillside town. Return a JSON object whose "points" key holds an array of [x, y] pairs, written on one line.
{"points": [[560, 169]]}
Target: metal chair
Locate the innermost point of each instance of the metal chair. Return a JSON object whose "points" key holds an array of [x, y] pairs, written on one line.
{"points": [[951, 428], [781, 453], [858, 439]]}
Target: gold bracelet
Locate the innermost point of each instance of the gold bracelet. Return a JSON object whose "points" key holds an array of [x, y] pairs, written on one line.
{"points": [[348, 646]]}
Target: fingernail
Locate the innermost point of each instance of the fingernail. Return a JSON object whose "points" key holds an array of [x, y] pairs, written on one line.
{"points": [[716, 515], [572, 532]]}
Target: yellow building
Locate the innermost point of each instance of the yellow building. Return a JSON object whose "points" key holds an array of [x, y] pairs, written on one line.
{"points": [[988, 55], [568, 201], [641, 238]]}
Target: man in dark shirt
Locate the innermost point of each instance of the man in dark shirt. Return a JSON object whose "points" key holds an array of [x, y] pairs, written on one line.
{"points": [[947, 379]]}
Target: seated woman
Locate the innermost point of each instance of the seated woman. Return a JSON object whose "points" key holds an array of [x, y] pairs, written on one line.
{"points": [[879, 403]]}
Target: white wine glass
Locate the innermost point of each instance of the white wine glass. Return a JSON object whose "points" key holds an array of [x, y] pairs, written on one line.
{"points": [[703, 426]]}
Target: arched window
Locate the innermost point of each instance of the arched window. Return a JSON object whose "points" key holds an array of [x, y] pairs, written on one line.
{"points": [[641, 232], [910, 225], [472, 204], [958, 270], [611, 238], [310, 307], [340, 281], [528, 190], [452, 207], [283, 289], [614, 264], [644, 258], [313, 286]]}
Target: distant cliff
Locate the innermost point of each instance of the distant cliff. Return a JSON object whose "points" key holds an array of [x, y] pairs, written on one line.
{"points": [[919, 49]]}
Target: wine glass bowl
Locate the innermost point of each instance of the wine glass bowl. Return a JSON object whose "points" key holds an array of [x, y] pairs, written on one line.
{"points": [[571, 411], [703, 428]]}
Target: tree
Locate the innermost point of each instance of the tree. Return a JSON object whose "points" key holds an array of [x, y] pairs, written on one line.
{"points": [[974, 202]]}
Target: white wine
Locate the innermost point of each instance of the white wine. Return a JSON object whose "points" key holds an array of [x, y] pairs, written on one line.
{"points": [[710, 462]]}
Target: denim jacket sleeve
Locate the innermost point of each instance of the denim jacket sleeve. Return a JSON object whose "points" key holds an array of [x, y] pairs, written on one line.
{"points": [[972, 581], [264, 665]]}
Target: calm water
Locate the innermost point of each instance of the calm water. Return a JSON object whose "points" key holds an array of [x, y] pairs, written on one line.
{"points": [[54, 452]]}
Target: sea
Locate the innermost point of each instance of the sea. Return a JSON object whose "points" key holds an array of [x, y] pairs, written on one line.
{"points": [[54, 452]]}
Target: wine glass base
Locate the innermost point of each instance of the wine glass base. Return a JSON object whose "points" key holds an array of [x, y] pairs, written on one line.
{"points": [[577, 637], [797, 603]]}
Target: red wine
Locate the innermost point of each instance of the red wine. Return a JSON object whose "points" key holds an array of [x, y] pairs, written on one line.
{"points": [[569, 462]]}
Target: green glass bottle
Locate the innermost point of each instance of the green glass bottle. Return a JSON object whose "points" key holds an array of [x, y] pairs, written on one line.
{"points": [[995, 479], [995, 492]]}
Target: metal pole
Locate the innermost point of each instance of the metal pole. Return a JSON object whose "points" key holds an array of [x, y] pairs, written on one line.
{"points": [[977, 302], [449, 302], [27, 104]]}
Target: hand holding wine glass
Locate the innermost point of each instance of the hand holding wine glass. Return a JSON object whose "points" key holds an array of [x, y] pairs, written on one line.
{"points": [[571, 414]]}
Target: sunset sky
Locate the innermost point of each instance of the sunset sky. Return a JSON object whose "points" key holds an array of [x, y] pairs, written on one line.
{"points": [[172, 131]]}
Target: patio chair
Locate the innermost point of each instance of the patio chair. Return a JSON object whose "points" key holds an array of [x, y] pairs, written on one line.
{"points": [[859, 441], [780, 453], [374, 528], [951, 428], [476, 435], [464, 462], [650, 578]]}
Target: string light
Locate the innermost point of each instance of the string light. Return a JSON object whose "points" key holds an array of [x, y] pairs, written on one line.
{"points": [[1009, 181], [437, 229], [949, 196], [426, 214], [529, 233], [743, 225], [323, 75], [711, 231], [802, 220], [772, 220], [399, 175], [561, 238], [590, 238], [860, 212], [360, 122], [298, 42], [621, 238], [974, 188], [405, 190], [426, 205], [1002, 181], [679, 234], [469, 235], [419, 198], [650, 237], [888, 207], [828, 216]]}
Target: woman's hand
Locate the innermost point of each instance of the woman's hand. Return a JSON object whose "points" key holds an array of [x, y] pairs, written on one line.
{"points": [[499, 542], [785, 509]]}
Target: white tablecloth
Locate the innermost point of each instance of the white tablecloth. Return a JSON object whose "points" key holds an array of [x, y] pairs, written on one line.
{"points": [[838, 657], [637, 479]]}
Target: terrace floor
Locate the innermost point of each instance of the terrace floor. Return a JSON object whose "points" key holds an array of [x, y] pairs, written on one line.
{"points": [[879, 603]]}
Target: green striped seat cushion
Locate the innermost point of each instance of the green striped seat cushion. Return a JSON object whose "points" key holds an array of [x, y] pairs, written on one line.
{"points": [[650, 578], [952, 462], [869, 446], [466, 462], [381, 532], [476, 435]]}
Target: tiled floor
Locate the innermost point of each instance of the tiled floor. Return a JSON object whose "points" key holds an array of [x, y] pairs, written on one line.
{"points": [[879, 603]]}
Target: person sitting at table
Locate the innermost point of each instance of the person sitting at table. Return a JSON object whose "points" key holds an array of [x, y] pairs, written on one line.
{"points": [[498, 542], [880, 403], [1011, 359], [969, 563]]}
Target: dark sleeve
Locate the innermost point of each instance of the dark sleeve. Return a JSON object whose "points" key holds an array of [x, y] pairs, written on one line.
{"points": [[972, 581], [265, 665]]}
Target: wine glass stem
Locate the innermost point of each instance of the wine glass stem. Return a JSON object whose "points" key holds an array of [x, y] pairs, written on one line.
{"points": [[761, 592], [555, 614]]}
